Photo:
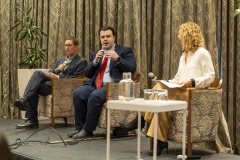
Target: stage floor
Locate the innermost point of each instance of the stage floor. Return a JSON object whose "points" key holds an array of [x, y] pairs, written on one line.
{"points": [[121, 148]]}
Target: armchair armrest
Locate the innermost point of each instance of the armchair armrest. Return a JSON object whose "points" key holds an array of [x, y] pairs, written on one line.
{"points": [[62, 90]]}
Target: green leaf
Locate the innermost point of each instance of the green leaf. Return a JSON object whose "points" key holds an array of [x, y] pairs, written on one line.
{"points": [[237, 11], [16, 24], [28, 32], [29, 10]]}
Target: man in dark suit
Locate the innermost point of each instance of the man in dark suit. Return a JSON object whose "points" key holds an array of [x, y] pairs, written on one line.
{"points": [[69, 66], [106, 65]]}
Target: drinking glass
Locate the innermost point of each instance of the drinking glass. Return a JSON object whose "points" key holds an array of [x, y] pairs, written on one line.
{"points": [[160, 94], [148, 94]]}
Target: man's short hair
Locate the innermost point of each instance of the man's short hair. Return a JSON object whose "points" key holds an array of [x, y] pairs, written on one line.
{"points": [[75, 41], [105, 28]]}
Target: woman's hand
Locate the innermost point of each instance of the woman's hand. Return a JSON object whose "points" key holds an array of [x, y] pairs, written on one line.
{"points": [[186, 84]]}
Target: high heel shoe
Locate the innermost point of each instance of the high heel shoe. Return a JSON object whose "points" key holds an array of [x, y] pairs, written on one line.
{"points": [[133, 124], [160, 147]]}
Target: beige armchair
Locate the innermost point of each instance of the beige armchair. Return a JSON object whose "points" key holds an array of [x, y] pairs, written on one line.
{"points": [[204, 110], [59, 104], [118, 116]]}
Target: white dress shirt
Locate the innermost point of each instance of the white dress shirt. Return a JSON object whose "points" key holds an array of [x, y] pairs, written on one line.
{"points": [[198, 66]]}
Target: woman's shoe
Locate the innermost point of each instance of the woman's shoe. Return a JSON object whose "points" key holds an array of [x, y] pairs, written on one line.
{"points": [[160, 147], [133, 124]]}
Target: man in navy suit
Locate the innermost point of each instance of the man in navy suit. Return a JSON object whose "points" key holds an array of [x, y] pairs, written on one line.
{"points": [[89, 98], [69, 66]]}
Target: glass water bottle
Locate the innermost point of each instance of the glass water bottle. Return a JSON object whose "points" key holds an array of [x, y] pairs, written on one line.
{"points": [[121, 89], [129, 87]]}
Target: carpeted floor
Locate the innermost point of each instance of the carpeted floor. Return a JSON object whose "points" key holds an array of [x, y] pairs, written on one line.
{"points": [[45, 143]]}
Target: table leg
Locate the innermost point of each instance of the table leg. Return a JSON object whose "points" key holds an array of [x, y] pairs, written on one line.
{"points": [[139, 136], [108, 134], [184, 134], [155, 136]]}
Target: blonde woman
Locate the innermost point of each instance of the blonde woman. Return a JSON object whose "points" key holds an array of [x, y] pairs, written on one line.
{"points": [[195, 70]]}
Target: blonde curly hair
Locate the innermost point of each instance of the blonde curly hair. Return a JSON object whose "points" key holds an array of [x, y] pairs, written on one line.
{"points": [[192, 36]]}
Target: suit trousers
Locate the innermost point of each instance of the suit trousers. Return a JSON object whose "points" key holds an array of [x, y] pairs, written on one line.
{"points": [[39, 84], [164, 117], [88, 104]]}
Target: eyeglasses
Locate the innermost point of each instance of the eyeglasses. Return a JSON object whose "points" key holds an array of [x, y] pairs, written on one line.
{"points": [[68, 45]]}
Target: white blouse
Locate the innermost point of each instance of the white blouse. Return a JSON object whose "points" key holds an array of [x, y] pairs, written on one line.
{"points": [[199, 67]]}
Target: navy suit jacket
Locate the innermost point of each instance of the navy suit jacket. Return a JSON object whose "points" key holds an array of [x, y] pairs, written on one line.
{"points": [[127, 63], [74, 69]]}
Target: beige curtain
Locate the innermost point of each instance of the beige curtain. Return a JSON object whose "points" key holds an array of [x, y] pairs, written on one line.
{"points": [[148, 26], [160, 46], [229, 46], [60, 19]]}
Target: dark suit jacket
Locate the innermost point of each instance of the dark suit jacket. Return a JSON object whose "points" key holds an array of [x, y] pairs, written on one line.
{"points": [[74, 69], [127, 64]]}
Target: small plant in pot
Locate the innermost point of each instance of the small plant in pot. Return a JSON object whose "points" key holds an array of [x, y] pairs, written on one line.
{"points": [[31, 36], [237, 7]]}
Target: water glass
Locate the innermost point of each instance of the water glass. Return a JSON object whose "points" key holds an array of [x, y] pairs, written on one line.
{"points": [[160, 94], [148, 94]]}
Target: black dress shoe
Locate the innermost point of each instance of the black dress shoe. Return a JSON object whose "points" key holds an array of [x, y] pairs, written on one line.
{"points": [[133, 124], [71, 134], [160, 147], [21, 104], [83, 134], [29, 123]]}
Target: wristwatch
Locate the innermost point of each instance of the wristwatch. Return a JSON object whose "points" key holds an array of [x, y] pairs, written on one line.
{"points": [[118, 59]]}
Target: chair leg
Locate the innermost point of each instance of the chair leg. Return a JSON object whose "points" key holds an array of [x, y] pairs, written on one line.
{"points": [[65, 120], [53, 122], [189, 149], [135, 133]]}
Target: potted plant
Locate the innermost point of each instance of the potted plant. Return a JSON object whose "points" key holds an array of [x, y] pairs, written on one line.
{"points": [[33, 54], [236, 6], [31, 36]]}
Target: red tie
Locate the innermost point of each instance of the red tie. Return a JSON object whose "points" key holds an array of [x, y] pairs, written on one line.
{"points": [[101, 73]]}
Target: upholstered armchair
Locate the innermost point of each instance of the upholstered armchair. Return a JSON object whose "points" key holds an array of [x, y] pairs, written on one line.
{"points": [[118, 116], [59, 104], [204, 110]]}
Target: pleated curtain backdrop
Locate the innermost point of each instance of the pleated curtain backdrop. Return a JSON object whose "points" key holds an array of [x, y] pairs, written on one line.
{"points": [[229, 47], [150, 27]]}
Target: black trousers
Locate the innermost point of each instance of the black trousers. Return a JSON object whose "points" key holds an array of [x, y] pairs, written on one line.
{"points": [[39, 84]]}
